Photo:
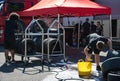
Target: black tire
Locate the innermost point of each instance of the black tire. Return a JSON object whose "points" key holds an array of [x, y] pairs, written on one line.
{"points": [[38, 43], [55, 31], [113, 76], [21, 26], [18, 42], [111, 64], [30, 46], [52, 43], [35, 28]]}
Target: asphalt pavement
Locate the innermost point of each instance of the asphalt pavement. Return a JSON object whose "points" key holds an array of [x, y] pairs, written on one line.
{"points": [[36, 71]]}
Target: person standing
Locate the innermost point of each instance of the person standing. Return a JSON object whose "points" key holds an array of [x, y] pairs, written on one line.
{"points": [[9, 36], [96, 43], [93, 27], [86, 28], [99, 28]]}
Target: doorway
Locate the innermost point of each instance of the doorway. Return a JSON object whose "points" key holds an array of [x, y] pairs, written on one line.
{"points": [[114, 27]]}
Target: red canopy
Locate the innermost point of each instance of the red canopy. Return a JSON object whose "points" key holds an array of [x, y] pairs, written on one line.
{"points": [[52, 8]]}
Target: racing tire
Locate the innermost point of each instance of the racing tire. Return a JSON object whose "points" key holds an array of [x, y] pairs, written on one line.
{"points": [[113, 76], [18, 42], [52, 42], [30, 46], [111, 64], [38, 44]]}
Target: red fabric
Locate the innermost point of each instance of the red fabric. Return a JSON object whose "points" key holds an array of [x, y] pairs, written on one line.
{"points": [[27, 5], [51, 8]]}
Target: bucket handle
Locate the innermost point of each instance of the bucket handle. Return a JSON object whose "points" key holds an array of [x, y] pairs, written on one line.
{"points": [[80, 60]]}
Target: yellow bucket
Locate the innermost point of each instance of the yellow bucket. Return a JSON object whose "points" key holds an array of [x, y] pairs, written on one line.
{"points": [[84, 68]]}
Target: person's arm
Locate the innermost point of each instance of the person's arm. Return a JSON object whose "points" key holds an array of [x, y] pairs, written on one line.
{"points": [[88, 56], [86, 49]]}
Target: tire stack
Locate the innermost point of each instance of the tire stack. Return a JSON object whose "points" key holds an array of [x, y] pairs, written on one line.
{"points": [[38, 43], [53, 41], [34, 43], [19, 38], [18, 43], [35, 28], [29, 45], [20, 48], [54, 45]]}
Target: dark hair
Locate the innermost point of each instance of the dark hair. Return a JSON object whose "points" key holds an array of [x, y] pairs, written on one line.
{"points": [[98, 22], [87, 19], [92, 22], [13, 16], [100, 44]]}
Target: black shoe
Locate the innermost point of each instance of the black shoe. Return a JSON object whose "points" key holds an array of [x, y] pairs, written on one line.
{"points": [[7, 62], [9, 58], [98, 68]]}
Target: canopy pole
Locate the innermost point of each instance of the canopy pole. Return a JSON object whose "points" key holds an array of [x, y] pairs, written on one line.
{"points": [[58, 25], [58, 20], [110, 29], [78, 33]]}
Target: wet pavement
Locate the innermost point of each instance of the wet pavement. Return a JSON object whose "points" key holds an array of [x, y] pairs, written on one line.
{"points": [[58, 70]]}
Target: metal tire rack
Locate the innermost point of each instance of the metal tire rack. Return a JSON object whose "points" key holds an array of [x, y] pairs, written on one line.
{"points": [[62, 51], [41, 54], [28, 34]]}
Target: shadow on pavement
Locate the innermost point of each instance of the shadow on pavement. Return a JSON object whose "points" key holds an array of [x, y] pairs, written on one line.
{"points": [[19, 65], [7, 68]]}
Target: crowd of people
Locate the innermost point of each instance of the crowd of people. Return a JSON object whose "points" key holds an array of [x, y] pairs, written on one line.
{"points": [[85, 29]]}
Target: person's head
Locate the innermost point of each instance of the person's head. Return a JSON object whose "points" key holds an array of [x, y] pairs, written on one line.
{"points": [[14, 16], [92, 22], [98, 22], [100, 45], [87, 19]]}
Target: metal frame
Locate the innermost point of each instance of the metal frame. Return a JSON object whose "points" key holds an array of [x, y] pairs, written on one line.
{"points": [[28, 33], [48, 35]]}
